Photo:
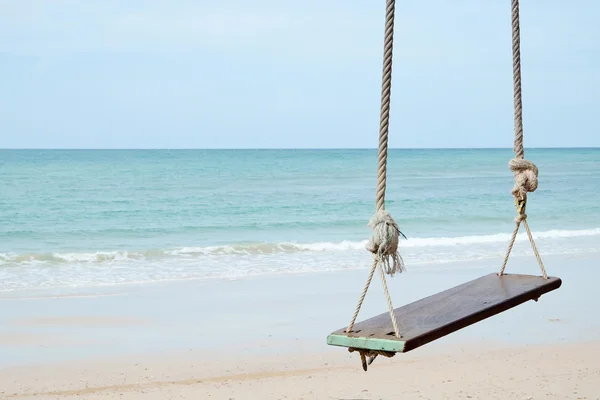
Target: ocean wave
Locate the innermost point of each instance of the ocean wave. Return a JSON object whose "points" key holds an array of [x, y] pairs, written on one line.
{"points": [[289, 247], [499, 237], [250, 249], [62, 258]]}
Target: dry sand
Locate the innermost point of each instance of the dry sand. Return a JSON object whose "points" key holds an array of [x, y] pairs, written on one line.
{"points": [[561, 371]]}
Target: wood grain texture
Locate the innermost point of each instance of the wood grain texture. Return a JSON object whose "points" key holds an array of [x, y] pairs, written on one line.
{"points": [[438, 315]]}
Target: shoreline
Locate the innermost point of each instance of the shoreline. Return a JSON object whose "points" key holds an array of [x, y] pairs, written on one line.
{"points": [[303, 308], [265, 338], [57, 272]]}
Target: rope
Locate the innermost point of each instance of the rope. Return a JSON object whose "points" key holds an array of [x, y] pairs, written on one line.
{"points": [[362, 297], [525, 172], [386, 233], [386, 92], [522, 218], [387, 296], [371, 354], [518, 101], [384, 242]]}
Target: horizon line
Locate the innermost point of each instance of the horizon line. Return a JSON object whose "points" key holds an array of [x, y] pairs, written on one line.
{"points": [[284, 148]]}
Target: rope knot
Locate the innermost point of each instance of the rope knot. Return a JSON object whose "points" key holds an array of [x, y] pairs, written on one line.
{"points": [[526, 177], [520, 218], [371, 355], [384, 242]]}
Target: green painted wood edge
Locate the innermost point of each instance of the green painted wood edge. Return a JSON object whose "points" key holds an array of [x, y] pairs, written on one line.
{"points": [[396, 346]]}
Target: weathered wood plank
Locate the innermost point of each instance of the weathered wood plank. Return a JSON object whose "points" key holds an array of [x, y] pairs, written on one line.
{"points": [[438, 315]]}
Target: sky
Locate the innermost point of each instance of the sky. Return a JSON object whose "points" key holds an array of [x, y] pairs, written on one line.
{"points": [[293, 74]]}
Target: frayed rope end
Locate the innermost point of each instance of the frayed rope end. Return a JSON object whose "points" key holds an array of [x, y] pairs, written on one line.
{"points": [[384, 242]]}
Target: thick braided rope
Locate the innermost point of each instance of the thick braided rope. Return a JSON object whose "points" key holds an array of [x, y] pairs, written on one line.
{"points": [[386, 92], [386, 233], [526, 173], [384, 244], [518, 101]]}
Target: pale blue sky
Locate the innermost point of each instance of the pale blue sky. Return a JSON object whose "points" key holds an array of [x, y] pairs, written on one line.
{"points": [[266, 73]]}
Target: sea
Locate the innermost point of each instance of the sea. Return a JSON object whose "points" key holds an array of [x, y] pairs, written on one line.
{"points": [[87, 218]]}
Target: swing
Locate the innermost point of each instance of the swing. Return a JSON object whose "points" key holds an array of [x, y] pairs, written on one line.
{"points": [[406, 328]]}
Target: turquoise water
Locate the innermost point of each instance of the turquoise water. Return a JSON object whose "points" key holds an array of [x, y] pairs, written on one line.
{"points": [[87, 217]]}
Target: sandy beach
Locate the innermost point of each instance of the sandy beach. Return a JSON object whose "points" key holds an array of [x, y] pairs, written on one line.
{"points": [[265, 339], [192, 194], [480, 371]]}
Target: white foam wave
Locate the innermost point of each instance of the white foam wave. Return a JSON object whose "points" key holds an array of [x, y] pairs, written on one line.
{"points": [[289, 247], [499, 237], [269, 248], [98, 257], [260, 249], [79, 258], [241, 261]]}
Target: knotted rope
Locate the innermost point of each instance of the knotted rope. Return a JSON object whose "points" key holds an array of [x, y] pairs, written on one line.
{"points": [[525, 172], [384, 242], [371, 354], [386, 233]]}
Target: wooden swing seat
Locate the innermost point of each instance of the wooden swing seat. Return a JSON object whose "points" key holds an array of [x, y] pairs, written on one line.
{"points": [[438, 315]]}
